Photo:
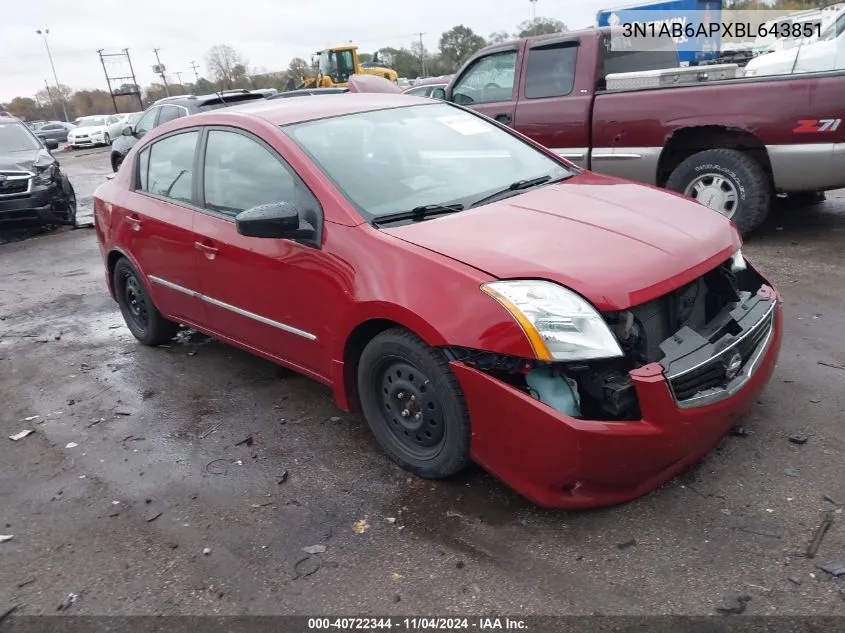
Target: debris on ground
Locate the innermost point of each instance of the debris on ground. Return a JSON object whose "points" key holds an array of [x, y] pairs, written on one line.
{"points": [[65, 604], [21, 435], [834, 365], [813, 547], [834, 569], [742, 602], [96, 421], [248, 441], [791, 472], [314, 549], [799, 439], [306, 566], [30, 418], [206, 551], [6, 537], [391, 519], [123, 413], [334, 419], [740, 431], [71, 445], [360, 526], [85, 367], [154, 516], [7, 612], [815, 400], [832, 500], [25, 583], [795, 580], [397, 598], [627, 544], [282, 478]]}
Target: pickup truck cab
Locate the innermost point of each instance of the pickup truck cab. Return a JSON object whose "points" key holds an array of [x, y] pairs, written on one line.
{"points": [[731, 144]]}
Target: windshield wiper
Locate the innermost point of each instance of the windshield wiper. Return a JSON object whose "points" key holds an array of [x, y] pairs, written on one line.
{"points": [[418, 213], [512, 189]]}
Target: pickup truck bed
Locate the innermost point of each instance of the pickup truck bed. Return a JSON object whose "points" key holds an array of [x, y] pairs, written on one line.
{"points": [[731, 144]]}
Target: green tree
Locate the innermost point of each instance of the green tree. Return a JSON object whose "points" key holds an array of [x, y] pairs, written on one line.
{"points": [[402, 60], [498, 37], [540, 26], [299, 69], [458, 43]]}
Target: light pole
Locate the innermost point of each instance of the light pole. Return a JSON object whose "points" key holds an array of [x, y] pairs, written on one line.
{"points": [[44, 35], [533, 10]]}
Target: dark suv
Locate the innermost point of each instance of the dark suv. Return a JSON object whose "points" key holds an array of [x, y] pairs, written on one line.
{"points": [[32, 187], [170, 108]]}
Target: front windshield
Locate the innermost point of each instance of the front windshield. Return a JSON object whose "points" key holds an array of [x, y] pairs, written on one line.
{"points": [[322, 62], [15, 137], [91, 121], [389, 161]]}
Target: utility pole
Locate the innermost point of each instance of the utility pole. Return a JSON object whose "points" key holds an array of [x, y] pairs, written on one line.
{"points": [[44, 35], [52, 101], [106, 72], [134, 81], [194, 68], [178, 78], [422, 53], [533, 10], [159, 68]]}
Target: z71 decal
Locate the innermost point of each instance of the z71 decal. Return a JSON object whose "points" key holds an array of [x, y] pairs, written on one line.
{"points": [[810, 126]]}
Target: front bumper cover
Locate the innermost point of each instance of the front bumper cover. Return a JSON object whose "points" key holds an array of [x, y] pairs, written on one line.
{"points": [[558, 461]]}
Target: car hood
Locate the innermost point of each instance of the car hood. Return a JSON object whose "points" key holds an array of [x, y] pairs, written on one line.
{"points": [[617, 243], [25, 160]]}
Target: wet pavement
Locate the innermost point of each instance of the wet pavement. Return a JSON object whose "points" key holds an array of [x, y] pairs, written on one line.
{"points": [[188, 479]]}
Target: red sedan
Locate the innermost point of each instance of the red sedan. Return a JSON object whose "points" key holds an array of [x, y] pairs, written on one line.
{"points": [[475, 296]]}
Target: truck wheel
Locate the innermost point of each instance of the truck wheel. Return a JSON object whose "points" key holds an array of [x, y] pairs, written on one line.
{"points": [[727, 181], [413, 404]]}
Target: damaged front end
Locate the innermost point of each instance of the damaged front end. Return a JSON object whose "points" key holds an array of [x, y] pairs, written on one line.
{"points": [[707, 337]]}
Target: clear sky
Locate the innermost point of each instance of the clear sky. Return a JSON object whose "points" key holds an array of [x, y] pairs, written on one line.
{"points": [[267, 32]]}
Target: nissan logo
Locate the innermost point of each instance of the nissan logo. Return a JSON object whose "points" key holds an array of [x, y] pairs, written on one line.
{"points": [[732, 366]]}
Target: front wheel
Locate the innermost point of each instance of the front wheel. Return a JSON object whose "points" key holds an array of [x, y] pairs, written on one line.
{"points": [[106, 139], [70, 202], [413, 404], [140, 314], [727, 181]]}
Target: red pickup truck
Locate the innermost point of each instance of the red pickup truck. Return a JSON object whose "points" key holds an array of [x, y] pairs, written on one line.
{"points": [[732, 144]]}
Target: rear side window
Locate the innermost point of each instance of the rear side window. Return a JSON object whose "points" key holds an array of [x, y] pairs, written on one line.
{"points": [[166, 167], [168, 113], [551, 71]]}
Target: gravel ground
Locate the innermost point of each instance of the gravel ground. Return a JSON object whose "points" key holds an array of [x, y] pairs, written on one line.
{"points": [[137, 493]]}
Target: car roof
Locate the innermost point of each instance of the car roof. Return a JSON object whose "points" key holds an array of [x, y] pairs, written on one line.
{"points": [[288, 111]]}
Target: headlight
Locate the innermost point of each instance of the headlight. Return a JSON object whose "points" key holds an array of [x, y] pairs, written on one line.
{"points": [[560, 324], [45, 176]]}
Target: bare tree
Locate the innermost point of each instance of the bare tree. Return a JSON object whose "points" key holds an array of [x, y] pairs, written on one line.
{"points": [[225, 64], [498, 37]]}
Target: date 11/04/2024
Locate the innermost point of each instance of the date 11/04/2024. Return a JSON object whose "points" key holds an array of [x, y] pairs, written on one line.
{"points": [[416, 624]]}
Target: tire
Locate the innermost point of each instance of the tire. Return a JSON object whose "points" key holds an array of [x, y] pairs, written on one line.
{"points": [[70, 196], [413, 404], [116, 161], [737, 171], [106, 139], [140, 314]]}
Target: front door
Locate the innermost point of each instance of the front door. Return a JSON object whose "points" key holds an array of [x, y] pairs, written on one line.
{"points": [[255, 288], [489, 85]]}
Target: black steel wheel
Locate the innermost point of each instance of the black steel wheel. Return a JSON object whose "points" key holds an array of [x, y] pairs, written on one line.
{"points": [[414, 405], [140, 314]]}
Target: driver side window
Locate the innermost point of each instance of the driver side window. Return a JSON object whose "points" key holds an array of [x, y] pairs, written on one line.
{"points": [[146, 122], [489, 80]]}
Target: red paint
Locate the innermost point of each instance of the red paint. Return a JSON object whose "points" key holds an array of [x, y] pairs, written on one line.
{"points": [[617, 243]]}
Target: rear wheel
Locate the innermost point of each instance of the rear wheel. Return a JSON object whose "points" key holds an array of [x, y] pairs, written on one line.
{"points": [[414, 405], [116, 161], [140, 314], [727, 181]]}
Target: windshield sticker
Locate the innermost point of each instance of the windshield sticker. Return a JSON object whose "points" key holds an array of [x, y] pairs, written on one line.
{"points": [[422, 181], [464, 124]]}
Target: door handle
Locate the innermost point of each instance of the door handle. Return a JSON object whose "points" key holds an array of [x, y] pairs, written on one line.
{"points": [[209, 250], [504, 118], [134, 221]]}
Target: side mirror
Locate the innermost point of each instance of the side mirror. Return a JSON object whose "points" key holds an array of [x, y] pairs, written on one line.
{"points": [[51, 144], [127, 131], [439, 93], [278, 220]]}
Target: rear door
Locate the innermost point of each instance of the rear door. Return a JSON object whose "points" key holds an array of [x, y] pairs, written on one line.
{"points": [[556, 97], [159, 217], [489, 84]]}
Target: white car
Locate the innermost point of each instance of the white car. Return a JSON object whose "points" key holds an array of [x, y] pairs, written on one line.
{"points": [[95, 130], [827, 53]]}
